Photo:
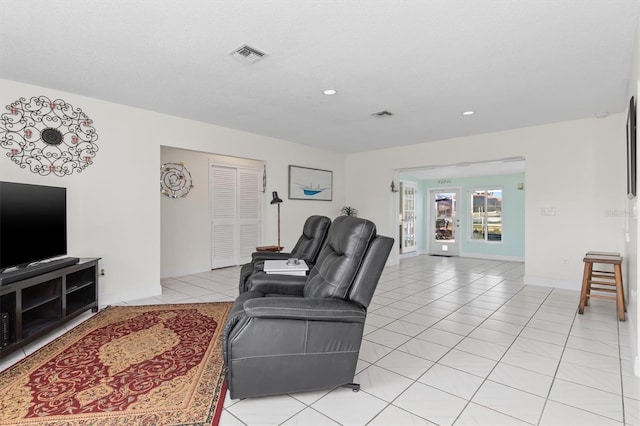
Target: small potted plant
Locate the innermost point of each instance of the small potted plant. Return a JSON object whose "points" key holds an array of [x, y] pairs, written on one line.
{"points": [[349, 211]]}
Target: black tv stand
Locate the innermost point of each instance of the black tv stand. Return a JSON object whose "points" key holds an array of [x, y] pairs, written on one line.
{"points": [[34, 306], [36, 269]]}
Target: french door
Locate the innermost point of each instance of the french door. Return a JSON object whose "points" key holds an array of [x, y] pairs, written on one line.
{"points": [[235, 214], [444, 225], [408, 191]]}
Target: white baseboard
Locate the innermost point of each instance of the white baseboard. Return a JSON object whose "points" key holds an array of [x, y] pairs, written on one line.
{"points": [[113, 299], [411, 254], [548, 282], [477, 256], [493, 257]]}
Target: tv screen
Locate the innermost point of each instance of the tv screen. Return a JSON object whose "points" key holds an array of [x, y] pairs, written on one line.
{"points": [[33, 223]]}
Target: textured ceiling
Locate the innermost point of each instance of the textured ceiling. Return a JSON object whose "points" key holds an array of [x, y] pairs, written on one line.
{"points": [[516, 63]]}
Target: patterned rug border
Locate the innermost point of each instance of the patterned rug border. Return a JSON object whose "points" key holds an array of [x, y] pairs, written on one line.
{"points": [[62, 343]]}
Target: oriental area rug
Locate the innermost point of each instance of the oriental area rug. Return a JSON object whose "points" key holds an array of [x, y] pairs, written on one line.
{"points": [[134, 365]]}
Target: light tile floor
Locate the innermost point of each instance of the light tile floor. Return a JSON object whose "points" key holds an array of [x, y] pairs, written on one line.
{"points": [[453, 341]]}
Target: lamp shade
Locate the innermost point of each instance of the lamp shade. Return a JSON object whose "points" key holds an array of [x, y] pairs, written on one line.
{"points": [[276, 199]]}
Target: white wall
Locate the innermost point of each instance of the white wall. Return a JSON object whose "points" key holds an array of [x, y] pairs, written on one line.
{"points": [[114, 205], [577, 168], [633, 218]]}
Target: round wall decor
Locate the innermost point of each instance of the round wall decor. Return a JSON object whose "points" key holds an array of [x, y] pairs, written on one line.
{"points": [[48, 136], [175, 180]]}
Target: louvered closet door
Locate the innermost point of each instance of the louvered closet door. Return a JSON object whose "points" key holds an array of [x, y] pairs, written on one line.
{"points": [[248, 212], [223, 216], [235, 215]]}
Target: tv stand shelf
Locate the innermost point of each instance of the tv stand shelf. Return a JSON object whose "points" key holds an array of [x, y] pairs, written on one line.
{"points": [[36, 304]]}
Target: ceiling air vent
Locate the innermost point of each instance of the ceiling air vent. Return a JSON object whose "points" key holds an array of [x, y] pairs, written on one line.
{"points": [[384, 113], [249, 53]]}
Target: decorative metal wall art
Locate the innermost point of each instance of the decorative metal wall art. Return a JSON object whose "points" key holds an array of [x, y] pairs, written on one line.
{"points": [[48, 136], [175, 180]]}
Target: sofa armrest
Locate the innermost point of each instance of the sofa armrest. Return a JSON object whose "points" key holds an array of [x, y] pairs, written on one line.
{"points": [[291, 285], [268, 255], [299, 308]]}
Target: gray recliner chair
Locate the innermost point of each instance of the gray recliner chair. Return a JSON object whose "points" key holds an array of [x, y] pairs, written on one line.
{"points": [[307, 334], [307, 248]]}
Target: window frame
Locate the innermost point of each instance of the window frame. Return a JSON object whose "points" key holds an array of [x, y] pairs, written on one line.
{"points": [[486, 189]]}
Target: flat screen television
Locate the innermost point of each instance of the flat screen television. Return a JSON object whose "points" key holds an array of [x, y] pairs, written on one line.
{"points": [[33, 223]]}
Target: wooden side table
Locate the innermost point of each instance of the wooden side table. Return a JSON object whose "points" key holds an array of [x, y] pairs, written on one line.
{"points": [[275, 249]]}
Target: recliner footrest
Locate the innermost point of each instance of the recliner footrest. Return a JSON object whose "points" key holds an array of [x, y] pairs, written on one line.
{"points": [[353, 386]]}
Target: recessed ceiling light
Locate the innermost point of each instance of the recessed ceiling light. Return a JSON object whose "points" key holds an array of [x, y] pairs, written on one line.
{"points": [[330, 92], [468, 113]]}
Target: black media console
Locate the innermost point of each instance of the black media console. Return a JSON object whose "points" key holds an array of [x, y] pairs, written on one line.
{"points": [[37, 269], [32, 304]]}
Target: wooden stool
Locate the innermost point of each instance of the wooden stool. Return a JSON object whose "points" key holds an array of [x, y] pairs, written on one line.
{"points": [[602, 281]]}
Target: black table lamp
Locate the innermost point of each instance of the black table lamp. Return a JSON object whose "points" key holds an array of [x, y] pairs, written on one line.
{"points": [[277, 200]]}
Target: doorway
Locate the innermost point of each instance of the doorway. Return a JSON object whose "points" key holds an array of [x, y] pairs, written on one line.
{"points": [[444, 226], [186, 234]]}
